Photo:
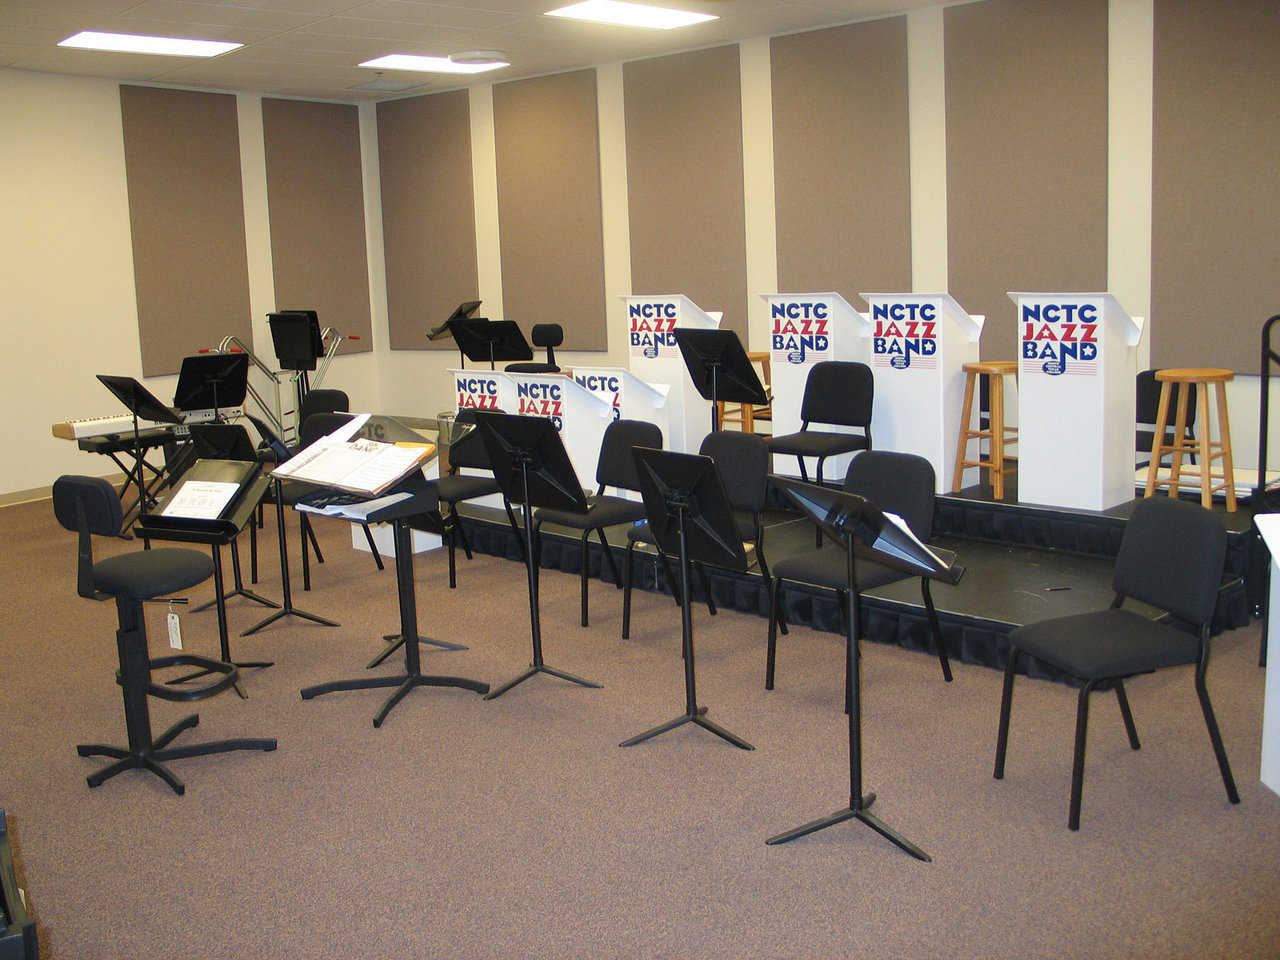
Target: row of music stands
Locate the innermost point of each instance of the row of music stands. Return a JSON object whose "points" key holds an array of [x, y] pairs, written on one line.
{"points": [[482, 340]]}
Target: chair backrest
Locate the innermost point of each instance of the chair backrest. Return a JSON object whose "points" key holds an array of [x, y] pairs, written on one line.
{"points": [[901, 483], [1171, 557], [318, 424], [743, 461], [470, 450], [323, 401], [87, 505], [616, 467], [1148, 408], [549, 335], [838, 391]]}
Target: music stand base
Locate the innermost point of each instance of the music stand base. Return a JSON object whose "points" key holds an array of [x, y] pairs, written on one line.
{"points": [[403, 684], [238, 592], [395, 641], [698, 717], [288, 612], [541, 668], [861, 814]]}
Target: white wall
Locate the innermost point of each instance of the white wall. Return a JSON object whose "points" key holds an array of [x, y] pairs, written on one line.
{"points": [[70, 312]]}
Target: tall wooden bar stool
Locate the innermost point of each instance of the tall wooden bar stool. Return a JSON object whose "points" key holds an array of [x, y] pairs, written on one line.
{"points": [[997, 434], [1188, 379]]}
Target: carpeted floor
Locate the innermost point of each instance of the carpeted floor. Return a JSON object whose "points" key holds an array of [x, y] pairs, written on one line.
{"points": [[518, 827]]}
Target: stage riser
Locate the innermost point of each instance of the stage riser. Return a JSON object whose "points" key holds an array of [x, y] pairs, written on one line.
{"points": [[968, 639]]}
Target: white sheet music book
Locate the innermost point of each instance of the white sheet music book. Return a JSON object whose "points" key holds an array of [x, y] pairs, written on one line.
{"points": [[201, 499], [360, 466]]}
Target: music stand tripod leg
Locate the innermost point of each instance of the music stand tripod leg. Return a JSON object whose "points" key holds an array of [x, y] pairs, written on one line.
{"points": [[287, 609]]}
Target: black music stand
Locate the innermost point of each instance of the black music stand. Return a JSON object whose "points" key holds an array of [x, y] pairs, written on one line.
{"points": [[480, 339], [210, 381], [849, 519], [460, 313], [690, 517], [144, 404], [720, 369], [423, 499], [532, 467]]}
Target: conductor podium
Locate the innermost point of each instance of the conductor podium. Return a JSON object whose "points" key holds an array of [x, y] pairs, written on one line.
{"points": [[1076, 402], [849, 519], [920, 343]]}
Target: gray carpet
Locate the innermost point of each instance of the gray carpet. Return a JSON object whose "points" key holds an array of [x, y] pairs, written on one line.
{"points": [[518, 827]]}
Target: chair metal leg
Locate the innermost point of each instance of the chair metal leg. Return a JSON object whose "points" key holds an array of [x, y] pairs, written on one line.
{"points": [[582, 561], [1077, 760], [1127, 714], [706, 588], [1006, 703], [936, 628], [373, 547], [450, 535], [626, 590], [774, 618], [303, 526], [461, 530], [608, 556], [1210, 721]]}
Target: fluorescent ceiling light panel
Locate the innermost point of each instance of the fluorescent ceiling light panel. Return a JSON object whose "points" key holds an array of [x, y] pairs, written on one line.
{"points": [[405, 61], [131, 43], [630, 14]]}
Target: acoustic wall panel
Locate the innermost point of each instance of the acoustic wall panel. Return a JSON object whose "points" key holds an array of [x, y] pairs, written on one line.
{"points": [[684, 178], [842, 159], [186, 215], [1026, 154], [548, 159], [428, 213], [1215, 274], [315, 199]]}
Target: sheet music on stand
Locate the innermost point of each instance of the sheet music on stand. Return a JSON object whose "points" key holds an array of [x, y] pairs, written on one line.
{"points": [[356, 465]]}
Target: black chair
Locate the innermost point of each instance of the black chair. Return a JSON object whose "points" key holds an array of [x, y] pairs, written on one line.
{"points": [[455, 487], [835, 392], [1171, 557], [323, 401], [549, 335], [1148, 409], [90, 506], [743, 462], [900, 483], [615, 468]]}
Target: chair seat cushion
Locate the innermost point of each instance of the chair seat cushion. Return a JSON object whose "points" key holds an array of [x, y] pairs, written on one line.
{"points": [[827, 568], [1107, 643], [602, 511], [458, 487], [815, 443], [146, 574]]}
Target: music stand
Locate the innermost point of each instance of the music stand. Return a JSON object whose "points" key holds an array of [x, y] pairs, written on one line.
{"points": [[460, 313], [208, 381], [848, 519], [690, 517], [480, 339], [144, 404], [720, 369], [532, 467]]}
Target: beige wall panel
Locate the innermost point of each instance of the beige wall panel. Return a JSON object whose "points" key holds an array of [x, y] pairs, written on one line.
{"points": [[684, 176], [842, 158], [428, 213], [1026, 154], [186, 215], [315, 197], [548, 158], [1215, 186]]}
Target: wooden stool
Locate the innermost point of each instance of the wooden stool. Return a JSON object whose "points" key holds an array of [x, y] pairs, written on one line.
{"points": [[1206, 447], [998, 435], [744, 414]]}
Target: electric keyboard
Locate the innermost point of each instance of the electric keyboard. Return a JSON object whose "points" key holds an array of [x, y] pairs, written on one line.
{"points": [[123, 423]]}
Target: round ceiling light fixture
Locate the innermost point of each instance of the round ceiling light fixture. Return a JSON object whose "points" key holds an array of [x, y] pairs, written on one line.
{"points": [[478, 57]]}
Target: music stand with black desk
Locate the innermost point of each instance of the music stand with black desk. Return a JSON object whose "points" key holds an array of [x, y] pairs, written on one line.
{"points": [[533, 468], [720, 369], [690, 518], [420, 498], [171, 522], [143, 404], [461, 313], [481, 340], [849, 519]]}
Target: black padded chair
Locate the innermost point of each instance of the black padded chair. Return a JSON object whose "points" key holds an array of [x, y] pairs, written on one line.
{"points": [[323, 401], [1171, 557], [455, 488], [615, 468], [835, 392], [90, 506], [1148, 409], [743, 462], [549, 335], [900, 483]]}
